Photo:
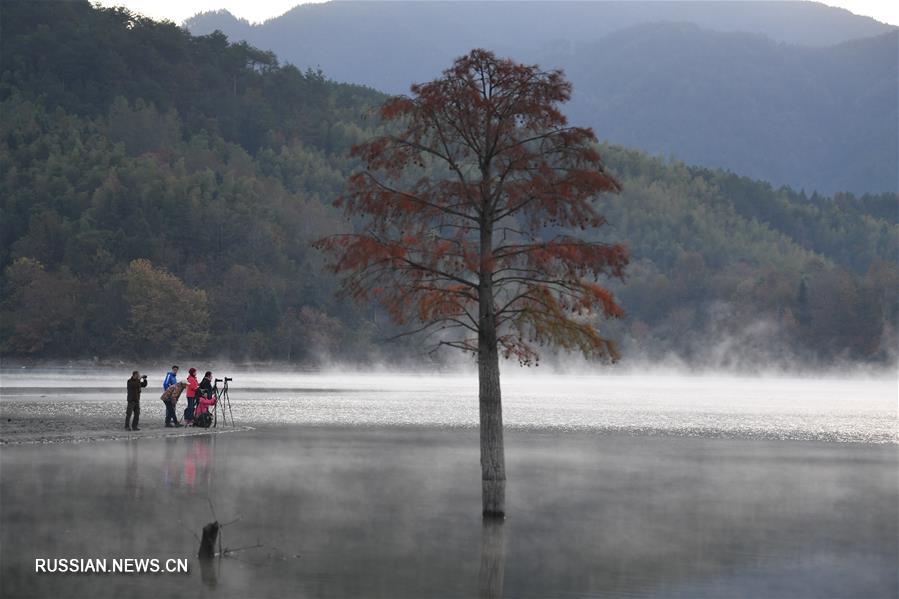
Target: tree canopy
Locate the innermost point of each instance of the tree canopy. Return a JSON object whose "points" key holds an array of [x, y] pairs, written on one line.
{"points": [[475, 195]]}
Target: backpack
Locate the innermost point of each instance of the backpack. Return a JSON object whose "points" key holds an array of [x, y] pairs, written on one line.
{"points": [[204, 420]]}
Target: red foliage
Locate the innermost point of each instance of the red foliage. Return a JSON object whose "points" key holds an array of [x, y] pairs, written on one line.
{"points": [[473, 195]]}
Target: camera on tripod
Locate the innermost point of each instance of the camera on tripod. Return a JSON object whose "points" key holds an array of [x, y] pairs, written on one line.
{"points": [[222, 407]]}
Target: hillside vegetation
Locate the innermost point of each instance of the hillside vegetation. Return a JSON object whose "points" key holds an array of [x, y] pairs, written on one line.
{"points": [[159, 192]]}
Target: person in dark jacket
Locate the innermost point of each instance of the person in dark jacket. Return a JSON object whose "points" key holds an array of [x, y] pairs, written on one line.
{"points": [[170, 379], [134, 385], [206, 385]]}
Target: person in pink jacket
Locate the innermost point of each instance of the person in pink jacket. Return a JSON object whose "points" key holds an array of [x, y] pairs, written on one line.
{"points": [[204, 404]]}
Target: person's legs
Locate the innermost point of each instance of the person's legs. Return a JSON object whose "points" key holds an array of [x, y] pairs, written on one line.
{"points": [[128, 411], [189, 410], [169, 413], [136, 416]]}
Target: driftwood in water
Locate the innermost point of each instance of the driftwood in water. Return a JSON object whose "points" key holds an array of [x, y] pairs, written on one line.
{"points": [[207, 543]]}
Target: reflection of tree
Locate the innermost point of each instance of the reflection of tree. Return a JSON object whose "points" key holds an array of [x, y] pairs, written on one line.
{"points": [[208, 573], [493, 559]]}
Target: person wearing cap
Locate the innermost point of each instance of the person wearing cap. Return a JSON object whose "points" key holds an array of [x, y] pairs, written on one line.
{"points": [[192, 386]]}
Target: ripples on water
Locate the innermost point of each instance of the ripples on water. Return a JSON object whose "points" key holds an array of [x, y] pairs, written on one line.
{"points": [[777, 408]]}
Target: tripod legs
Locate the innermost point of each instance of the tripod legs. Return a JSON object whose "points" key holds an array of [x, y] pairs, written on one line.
{"points": [[223, 402], [223, 405]]}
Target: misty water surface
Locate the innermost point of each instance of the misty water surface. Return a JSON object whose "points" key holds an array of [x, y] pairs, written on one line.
{"points": [[368, 485], [841, 409], [394, 512]]}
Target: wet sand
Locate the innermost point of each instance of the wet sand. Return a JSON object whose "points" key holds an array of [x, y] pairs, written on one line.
{"points": [[394, 512]]}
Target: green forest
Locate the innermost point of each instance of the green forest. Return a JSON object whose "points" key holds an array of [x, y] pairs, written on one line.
{"points": [[159, 192]]}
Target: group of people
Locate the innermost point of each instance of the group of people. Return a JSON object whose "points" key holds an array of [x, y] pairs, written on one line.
{"points": [[200, 397]]}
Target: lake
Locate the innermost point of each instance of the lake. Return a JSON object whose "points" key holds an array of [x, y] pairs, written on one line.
{"points": [[368, 485]]}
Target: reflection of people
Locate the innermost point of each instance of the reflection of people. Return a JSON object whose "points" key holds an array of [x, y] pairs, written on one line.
{"points": [[170, 379], [134, 385], [197, 460], [192, 388], [170, 398], [132, 484]]}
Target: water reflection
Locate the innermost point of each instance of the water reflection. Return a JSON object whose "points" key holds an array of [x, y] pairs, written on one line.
{"points": [[198, 463], [493, 559], [395, 513], [208, 571], [172, 462], [188, 462], [133, 487]]}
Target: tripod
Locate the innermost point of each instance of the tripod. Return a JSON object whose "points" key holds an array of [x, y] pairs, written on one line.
{"points": [[222, 403]]}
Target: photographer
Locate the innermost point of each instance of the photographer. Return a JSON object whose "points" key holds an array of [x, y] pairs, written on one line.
{"points": [[206, 385], [134, 386]]}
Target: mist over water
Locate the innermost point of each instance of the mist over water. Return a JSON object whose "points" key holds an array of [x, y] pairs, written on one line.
{"points": [[860, 409], [386, 512], [368, 484]]}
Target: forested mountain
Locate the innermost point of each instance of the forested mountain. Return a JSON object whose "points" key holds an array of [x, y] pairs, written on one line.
{"points": [[794, 93], [159, 192]]}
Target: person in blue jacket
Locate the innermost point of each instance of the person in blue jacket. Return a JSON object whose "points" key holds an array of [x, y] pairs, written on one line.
{"points": [[170, 379]]}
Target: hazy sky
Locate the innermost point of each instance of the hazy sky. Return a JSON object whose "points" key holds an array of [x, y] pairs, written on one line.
{"points": [[260, 10]]}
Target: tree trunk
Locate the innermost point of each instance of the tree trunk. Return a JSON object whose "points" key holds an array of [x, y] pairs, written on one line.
{"points": [[207, 543], [493, 462]]}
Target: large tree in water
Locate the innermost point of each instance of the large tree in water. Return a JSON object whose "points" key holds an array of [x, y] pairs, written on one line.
{"points": [[467, 213]]}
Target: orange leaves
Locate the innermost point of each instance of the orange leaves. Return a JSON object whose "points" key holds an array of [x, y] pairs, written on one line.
{"points": [[483, 148], [358, 252], [434, 304], [396, 107]]}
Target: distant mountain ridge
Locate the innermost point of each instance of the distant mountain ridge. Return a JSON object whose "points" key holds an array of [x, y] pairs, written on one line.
{"points": [[793, 93], [794, 22]]}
